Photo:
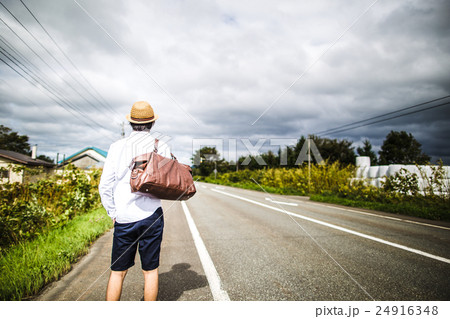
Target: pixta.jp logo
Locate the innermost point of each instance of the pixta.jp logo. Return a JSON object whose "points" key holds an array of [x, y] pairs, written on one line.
{"points": [[308, 150]]}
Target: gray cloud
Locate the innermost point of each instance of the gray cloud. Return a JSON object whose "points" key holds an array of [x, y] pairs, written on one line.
{"points": [[225, 63]]}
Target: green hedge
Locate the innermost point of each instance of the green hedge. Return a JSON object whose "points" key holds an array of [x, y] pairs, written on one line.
{"points": [[335, 183], [28, 210], [322, 178]]}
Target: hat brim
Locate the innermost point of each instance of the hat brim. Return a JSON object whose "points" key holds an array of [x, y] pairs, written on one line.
{"points": [[155, 117]]}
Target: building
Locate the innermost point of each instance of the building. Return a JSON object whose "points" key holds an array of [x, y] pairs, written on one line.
{"points": [[87, 158], [20, 168]]}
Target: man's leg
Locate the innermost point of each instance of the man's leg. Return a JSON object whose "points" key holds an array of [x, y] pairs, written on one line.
{"points": [[115, 283], [150, 284]]}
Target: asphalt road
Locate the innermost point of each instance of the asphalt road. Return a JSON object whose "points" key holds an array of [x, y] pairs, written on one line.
{"points": [[227, 243]]}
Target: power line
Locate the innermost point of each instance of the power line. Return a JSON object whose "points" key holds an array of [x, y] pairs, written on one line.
{"points": [[39, 81], [35, 73], [31, 82], [60, 100], [55, 99], [46, 83], [394, 117], [11, 47], [102, 101], [35, 53], [383, 120], [26, 44], [30, 101], [51, 89], [382, 115], [54, 58]]}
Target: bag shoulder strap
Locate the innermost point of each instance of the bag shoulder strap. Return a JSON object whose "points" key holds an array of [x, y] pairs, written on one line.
{"points": [[156, 146], [133, 161]]}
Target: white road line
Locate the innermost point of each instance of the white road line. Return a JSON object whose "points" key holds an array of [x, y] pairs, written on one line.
{"points": [[282, 203], [416, 251], [382, 216], [210, 270]]}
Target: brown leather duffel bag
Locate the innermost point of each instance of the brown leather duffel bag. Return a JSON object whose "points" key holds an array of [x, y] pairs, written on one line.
{"points": [[161, 177]]}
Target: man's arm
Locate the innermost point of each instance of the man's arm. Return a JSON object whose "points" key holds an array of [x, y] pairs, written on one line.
{"points": [[106, 186]]}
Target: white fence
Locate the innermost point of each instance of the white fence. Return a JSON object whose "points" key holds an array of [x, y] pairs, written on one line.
{"points": [[375, 175]]}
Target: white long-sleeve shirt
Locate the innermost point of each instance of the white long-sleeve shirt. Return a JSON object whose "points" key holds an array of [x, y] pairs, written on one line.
{"points": [[115, 190]]}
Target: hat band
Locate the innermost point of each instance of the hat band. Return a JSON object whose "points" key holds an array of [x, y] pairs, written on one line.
{"points": [[142, 120]]}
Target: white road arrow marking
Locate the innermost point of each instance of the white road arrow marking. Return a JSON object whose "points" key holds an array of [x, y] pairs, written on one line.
{"points": [[281, 203]]}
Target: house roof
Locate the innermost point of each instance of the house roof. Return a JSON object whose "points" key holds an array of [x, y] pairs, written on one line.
{"points": [[96, 149], [23, 159]]}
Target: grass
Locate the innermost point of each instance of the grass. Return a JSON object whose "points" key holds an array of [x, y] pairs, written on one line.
{"points": [[29, 266]]}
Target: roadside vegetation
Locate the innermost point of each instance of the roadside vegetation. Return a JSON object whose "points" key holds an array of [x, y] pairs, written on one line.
{"points": [[46, 226], [334, 183], [399, 194], [27, 267], [287, 173], [30, 209]]}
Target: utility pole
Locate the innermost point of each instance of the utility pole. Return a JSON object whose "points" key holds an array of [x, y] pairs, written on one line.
{"points": [[123, 130], [213, 157], [309, 163]]}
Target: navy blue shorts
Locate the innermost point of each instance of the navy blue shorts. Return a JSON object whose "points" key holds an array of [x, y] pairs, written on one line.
{"points": [[147, 233]]}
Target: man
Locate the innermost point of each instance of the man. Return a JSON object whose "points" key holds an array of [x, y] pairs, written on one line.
{"points": [[138, 220]]}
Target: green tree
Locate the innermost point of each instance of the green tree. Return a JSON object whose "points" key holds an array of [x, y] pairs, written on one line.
{"points": [[12, 141], [333, 150], [287, 156], [402, 148], [366, 150], [271, 159], [206, 160]]}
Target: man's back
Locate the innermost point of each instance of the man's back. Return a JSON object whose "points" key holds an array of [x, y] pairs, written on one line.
{"points": [[114, 187]]}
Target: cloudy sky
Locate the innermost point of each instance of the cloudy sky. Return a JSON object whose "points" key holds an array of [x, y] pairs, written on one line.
{"points": [[225, 70]]}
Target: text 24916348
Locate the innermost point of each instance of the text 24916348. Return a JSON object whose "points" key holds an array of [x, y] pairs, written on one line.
{"points": [[407, 310]]}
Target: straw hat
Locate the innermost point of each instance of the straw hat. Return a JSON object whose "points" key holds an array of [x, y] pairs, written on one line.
{"points": [[141, 113]]}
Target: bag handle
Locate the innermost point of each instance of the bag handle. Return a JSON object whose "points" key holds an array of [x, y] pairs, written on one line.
{"points": [[156, 149]]}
